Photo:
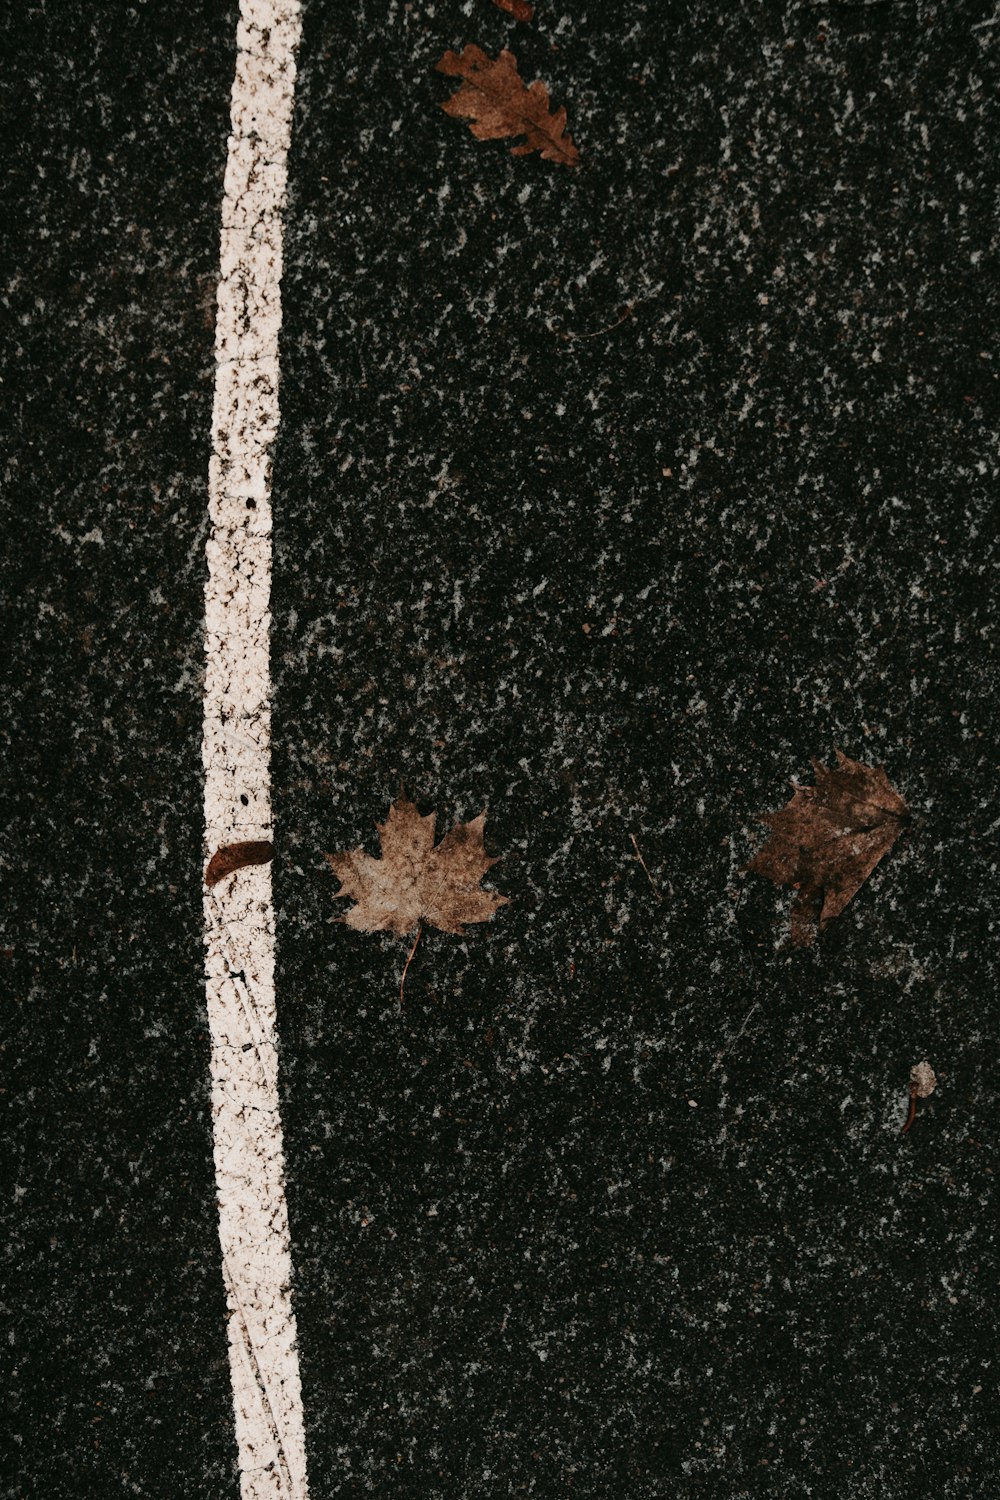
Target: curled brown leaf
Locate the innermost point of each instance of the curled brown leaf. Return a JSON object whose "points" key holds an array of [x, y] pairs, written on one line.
{"points": [[236, 856]]}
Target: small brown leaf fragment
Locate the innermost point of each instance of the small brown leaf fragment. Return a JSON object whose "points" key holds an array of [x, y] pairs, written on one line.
{"points": [[496, 102], [519, 9], [923, 1082], [234, 856], [828, 839], [413, 881]]}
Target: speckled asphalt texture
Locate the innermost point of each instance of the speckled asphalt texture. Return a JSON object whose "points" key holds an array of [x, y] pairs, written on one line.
{"points": [[116, 1378], [604, 499]]}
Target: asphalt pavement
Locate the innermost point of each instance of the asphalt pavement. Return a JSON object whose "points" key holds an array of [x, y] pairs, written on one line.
{"points": [[605, 499]]}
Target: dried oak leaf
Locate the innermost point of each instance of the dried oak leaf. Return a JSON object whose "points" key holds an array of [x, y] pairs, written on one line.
{"points": [[497, 103], [828, 839], [414, 881]]}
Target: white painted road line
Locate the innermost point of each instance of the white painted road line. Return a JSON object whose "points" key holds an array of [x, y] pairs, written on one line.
{"points": [[239, 915]]}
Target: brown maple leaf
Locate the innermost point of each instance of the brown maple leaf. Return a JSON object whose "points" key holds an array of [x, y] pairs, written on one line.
{"points": [[497, 103], [414, 881], [519, 9], [828, 839]]}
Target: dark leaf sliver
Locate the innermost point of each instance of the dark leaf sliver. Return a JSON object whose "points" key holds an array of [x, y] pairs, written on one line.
{"points": [[235, 856]]}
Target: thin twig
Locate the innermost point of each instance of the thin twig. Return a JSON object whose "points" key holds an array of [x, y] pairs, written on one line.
{"points": [[409, 958], [913, 1109], [598, 331], [734, 1039], [649, 877]]}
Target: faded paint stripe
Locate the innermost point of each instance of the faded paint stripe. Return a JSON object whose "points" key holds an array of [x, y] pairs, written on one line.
{"points": [[239, 915]]}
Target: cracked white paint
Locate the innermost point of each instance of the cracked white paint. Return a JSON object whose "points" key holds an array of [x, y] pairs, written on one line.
{"points": [[239, 915]]}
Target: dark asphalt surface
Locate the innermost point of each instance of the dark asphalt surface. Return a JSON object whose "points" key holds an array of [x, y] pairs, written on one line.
{"points": [[116, 1379], [616, 1202]]}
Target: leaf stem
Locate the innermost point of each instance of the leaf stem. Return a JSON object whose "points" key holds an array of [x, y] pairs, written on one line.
{"points": [[626, 314], [409, 959]]}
